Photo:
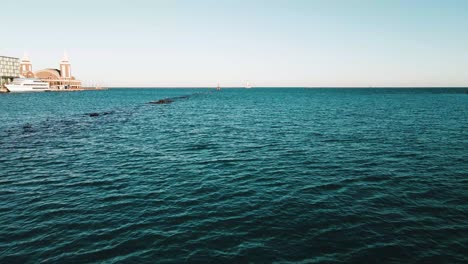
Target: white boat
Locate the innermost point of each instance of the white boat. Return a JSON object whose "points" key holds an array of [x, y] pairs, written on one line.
{"points": [[247, 85], [20, 85]]}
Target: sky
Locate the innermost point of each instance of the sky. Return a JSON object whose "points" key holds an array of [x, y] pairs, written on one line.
{"points": [[282, 43]]}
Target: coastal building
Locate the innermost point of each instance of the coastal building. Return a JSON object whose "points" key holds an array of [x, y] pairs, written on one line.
{"points": [[57, 78], [26, 67], [9, 69]]}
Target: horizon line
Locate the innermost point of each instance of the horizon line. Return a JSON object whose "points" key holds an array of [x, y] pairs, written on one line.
{"points": [[303, 87]]}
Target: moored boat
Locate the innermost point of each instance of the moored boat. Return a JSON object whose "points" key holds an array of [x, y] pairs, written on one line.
{"points": [[27, 85]]}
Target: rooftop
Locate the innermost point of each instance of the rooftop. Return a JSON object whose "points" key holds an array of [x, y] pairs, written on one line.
{"points": [[8, 57]]}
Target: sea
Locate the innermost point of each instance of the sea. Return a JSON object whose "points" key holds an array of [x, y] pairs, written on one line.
{"points": [[263, 175]]}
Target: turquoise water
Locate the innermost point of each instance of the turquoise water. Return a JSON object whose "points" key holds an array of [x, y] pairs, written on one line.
{"points": [[240, 175]]}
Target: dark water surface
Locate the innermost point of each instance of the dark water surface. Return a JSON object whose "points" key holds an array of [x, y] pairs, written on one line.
{"points": [[240, 175]]}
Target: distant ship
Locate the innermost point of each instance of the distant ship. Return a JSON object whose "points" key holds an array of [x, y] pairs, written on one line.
{"points": [[20, 85], [247, 85], [218, 88]]}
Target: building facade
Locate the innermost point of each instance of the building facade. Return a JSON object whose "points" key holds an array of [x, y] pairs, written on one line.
{"points": [[26, 67], [57, 78], [9, 69]]}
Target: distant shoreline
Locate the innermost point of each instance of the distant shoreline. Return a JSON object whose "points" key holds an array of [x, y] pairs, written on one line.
{"points": [[286, 87]]}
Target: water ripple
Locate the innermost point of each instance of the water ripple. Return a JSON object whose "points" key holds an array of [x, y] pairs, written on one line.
{"points": [[237, 176]]}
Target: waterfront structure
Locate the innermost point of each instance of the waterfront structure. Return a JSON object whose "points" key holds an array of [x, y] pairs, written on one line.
{"points": [[57, 78], [9, 69], [26, 67]]}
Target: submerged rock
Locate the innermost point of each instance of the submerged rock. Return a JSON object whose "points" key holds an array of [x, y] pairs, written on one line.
{"points": [[162, 101], [100, 114], [27, 128], [170, 100]]}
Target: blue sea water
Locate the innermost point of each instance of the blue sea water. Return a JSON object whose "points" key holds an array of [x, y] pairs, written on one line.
{"points": [[235, 176]]}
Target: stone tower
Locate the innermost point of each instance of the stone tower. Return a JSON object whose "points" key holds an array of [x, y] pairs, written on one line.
{"points": [[65, 67], [26, 67]]}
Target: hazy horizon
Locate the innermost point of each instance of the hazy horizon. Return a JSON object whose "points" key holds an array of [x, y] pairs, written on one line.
{"points": [[289, 87], [268, 43], [279, 87]]}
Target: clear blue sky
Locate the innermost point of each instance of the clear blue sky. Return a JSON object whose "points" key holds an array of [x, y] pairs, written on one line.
{"points": [[269, 43]]}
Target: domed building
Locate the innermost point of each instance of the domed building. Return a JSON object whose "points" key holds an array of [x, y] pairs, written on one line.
{"points": [[57, 78]]}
